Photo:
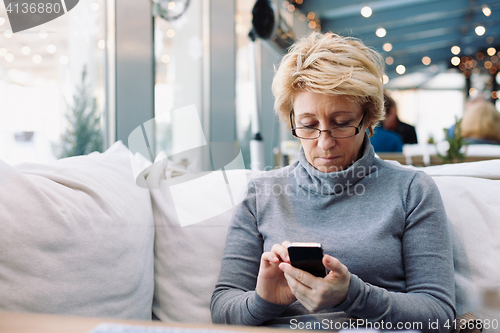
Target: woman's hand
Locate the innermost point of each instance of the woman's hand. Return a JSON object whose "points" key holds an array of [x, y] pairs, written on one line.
{"points": [[272, 285], [315, 293]]}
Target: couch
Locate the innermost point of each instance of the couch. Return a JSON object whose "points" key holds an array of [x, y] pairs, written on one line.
{"points": [[109, 234]]}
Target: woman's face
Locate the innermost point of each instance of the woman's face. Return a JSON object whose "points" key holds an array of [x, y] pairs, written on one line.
{"points": [[324, 112]]}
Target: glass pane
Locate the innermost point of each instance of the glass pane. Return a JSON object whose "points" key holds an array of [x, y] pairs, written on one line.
{"points": [[178, 46], [41, 83], [246, 100]]}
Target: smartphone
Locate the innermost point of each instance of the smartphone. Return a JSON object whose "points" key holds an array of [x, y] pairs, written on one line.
{"points": [[308, 257]]}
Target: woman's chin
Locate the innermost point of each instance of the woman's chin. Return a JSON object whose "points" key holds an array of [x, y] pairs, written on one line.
{"points": [[328, 166]]}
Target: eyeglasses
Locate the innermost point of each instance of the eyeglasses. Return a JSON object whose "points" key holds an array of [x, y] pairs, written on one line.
{"points": [[310, 133]]}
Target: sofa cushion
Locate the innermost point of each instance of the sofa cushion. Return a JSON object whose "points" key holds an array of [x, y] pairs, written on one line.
{"points": [[192, 215], [482, 169], [473, 208], [76, 237]]}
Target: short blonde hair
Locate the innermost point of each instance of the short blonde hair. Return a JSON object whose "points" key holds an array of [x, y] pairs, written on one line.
{"points": [[482, 121], [333, 65]]}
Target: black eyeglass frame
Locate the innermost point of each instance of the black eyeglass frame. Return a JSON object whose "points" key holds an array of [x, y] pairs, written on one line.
{"points": [[358, 129]]}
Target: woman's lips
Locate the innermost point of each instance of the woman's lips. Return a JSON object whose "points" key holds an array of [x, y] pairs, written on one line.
{"points": [[328, 158]]}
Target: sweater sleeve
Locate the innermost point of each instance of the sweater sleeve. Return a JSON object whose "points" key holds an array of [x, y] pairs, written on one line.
{"points": [[428, 263], [234, 300]]}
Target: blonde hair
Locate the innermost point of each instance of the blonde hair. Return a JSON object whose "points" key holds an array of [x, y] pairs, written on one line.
{"points": [[482, 121], [333, 65]]}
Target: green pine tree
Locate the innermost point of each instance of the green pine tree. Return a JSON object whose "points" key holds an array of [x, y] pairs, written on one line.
{"points": [[84, 134]]}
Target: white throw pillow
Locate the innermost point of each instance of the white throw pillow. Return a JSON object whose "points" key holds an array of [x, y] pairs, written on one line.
{"points": [[192, 215], [76, 237], [473, 208]]}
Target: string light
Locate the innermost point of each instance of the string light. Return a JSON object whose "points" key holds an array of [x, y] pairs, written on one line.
{"points": [[385, 79], [37, 58], [486, 10], [366, 11], [165, 58], [26, 50], [426, 61], [389, 60], [455, 61], [63, 60], [455, 50], [400, 69], [387, 47], [480, 30], [491, 51], [51, 49], [381, 32]]}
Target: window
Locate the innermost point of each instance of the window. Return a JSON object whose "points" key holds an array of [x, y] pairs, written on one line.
{"points": [[179, 56], [40, 71]]}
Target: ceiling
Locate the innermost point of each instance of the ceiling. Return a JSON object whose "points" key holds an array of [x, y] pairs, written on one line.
{"points": [[415, 28]]}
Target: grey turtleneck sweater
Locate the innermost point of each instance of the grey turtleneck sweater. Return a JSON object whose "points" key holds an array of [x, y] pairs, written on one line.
{"points": [[386, 223]]}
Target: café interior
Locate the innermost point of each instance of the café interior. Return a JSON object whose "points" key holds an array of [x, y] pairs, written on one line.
{"points": [[143, 59]]}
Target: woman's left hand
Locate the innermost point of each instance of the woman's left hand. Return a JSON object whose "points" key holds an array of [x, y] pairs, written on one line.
{"points": [[316, 293]]}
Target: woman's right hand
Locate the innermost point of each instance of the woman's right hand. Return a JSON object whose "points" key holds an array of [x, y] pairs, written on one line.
{"points": [[271, 282]]}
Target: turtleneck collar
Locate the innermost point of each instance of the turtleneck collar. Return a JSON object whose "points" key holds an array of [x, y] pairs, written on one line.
{"points": [[330, 183]]}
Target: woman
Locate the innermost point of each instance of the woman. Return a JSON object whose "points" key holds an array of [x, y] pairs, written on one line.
{"points": [[383, 228], [481, 124]]}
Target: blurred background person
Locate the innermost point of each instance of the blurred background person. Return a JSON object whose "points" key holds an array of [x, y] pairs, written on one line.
{"points": [[385, 141], [481, 124], [471, 102], [391, 122]]}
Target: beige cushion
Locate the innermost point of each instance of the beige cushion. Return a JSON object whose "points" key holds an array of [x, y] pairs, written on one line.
{"points": [[76, 237], [191, 214], [473, 208]]}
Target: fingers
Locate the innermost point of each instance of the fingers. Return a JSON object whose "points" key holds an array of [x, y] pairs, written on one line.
{"points": [[278, 253], [337, 269], [299, 275], [318, 293]]}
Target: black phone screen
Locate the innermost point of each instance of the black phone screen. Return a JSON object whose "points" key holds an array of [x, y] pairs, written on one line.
{"points": [[308, 257]]}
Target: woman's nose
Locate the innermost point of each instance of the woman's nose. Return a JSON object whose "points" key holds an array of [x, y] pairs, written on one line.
{"points": [[325, 141]]}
